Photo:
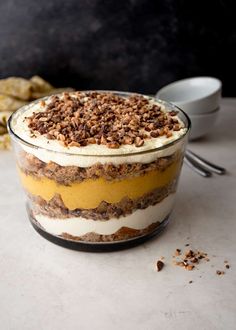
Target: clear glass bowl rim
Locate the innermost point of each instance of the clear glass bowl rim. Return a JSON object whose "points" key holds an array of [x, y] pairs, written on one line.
{"points": [[16, 137]]}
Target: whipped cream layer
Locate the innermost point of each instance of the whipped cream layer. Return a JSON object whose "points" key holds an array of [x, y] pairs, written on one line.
{"points": [[79, 226], [52, 150]]}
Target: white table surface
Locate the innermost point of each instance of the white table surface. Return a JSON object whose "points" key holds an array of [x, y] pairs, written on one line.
{"points": [[44, 286]]}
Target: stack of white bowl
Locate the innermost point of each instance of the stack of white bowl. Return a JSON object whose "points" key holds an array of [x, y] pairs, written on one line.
{"points": [[199, 97]]}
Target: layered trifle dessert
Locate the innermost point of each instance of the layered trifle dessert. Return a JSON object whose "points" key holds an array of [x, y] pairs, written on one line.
{"points": [[99, 168]]}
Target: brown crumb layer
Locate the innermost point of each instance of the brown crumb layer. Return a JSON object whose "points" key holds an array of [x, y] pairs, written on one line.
{"points": [[55, 208], [31, 165], [82, 118], [124, 233]]}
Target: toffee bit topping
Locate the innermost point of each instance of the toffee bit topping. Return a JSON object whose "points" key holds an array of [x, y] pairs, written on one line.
{"points": [[160, 265], [177, 252], [220, 272], [190, 267], [189, 254], [189, 259], [192, 260], [83, 118]]}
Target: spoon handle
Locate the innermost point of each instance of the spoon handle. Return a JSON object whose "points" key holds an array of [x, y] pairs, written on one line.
{"points": [[199, 170], [205, 163]]}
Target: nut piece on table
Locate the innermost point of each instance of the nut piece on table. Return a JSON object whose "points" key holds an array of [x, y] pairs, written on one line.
{"points": [[160, 265], [220, 272]]}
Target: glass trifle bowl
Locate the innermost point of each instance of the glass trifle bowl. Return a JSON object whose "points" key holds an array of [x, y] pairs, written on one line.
{"points": [[99, 168]]}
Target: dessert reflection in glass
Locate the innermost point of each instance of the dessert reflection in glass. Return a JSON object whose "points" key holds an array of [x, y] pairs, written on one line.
{"points": [[99, 168]]}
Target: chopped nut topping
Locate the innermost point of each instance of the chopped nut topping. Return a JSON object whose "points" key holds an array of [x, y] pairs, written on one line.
{"points": [[160, 265], [83, 118]]}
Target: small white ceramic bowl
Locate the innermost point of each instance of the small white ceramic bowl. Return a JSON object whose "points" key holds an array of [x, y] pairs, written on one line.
{"points": [[194, 95], [202, 124]]}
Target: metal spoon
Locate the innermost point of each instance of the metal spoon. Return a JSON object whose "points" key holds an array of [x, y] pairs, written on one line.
{"points": [[205, 163], [201, 165], [196, 168]]}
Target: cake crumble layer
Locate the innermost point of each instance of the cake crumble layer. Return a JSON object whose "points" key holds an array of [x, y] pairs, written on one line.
{"points": [[90, 193], [138, 220], [66, 175], [55, 208]]}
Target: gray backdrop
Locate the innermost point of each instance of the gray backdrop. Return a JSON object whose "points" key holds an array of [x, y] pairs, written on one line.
{"points": [[133, 45]]}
